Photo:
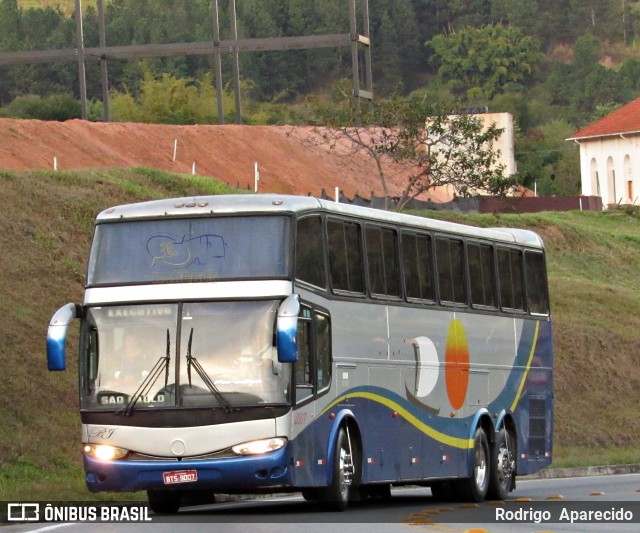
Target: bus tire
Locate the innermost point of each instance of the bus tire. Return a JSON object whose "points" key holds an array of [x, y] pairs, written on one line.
{"points": [[164, 501], [475, 488], [336, 496], [503, 465]]}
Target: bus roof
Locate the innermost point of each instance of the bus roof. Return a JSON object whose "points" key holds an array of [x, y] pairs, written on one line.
{"points": [[198, 206]]}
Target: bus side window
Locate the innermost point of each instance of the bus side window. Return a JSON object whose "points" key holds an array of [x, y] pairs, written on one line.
{"points": [[536, 282], [303, 366], [481, 275], [310, 256], [382, 261], [93, 353], [451, 278], [313, 368], [418, 267], [345, 256], [90, 376], [510, 276], [323, 350]]}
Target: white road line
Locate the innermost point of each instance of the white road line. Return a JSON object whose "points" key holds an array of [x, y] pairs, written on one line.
{"points": [[51, 528]]}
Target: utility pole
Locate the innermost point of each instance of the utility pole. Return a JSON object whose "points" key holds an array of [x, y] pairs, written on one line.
{"points": [[235, 59], [82, 76], [217, 59], [103, 63]]}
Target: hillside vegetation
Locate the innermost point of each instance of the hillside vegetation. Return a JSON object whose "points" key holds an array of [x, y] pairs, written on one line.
{"points": [[46, 220], [555, 65]]}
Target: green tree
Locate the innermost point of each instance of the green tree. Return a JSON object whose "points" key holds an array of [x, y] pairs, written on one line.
{"points": [[551, 24], [11, 38], [442, 15], [396, 54], [584, 84], [423, 142], [630, 79], [267, 70], [606, 20], [315, 69], [586, 50], [521, 14], [546, 161], [10, 41], [483, 61], [600, 86]]}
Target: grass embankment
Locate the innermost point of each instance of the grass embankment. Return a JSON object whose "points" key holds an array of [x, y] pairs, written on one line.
{"points": [[46, 220]]}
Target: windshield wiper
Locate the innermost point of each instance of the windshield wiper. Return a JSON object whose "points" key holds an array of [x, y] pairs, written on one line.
{"points": [[167, 359], [161, 365], [192, 361]]}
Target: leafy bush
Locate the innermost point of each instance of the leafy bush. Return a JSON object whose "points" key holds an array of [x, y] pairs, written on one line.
{"points": [[170, 100], [58, 107]]}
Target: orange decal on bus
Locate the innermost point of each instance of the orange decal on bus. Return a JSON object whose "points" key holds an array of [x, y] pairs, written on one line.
{"points": [[457, 364]]}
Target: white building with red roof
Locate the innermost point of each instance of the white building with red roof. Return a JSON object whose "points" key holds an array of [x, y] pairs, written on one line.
{"points": [[610, 156]]}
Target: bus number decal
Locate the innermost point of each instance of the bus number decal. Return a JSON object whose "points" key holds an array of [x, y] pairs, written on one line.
{"points": [[299, 418]]}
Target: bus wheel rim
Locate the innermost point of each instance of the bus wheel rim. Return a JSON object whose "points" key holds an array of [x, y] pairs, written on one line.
{"points": [[505, 463], [480, 468], [346, 472]]}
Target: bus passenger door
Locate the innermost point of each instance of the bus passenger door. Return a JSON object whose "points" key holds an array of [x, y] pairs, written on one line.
{"points": [[312, 376]]}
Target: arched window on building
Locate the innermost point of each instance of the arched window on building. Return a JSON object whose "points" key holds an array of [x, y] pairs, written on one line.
{"points": [[628, 178], [595, 179], [612, 193]]}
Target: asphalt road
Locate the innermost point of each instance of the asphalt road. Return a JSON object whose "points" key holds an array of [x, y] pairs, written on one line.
{"points": [[409, 510]]}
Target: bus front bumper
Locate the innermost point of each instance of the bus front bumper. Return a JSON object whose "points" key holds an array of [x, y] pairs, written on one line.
{"points": [[240, 473]]}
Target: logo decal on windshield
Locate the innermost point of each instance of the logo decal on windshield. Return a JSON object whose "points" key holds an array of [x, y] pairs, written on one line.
{"points": [[176, 252]]}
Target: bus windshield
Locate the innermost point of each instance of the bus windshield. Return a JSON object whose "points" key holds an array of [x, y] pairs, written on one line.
{"points": [[187, 250], [222, 355]]}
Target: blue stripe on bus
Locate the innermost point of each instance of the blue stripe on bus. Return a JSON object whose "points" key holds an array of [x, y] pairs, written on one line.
{"points": [[443, 429]]}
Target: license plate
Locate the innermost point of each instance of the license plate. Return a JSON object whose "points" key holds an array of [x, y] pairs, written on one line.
{"points": [[181, 476]]}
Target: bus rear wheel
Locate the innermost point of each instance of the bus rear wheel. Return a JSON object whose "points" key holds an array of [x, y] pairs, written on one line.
{"points": [[335, 497], [164, 501], [474, 489], [503, 465]]}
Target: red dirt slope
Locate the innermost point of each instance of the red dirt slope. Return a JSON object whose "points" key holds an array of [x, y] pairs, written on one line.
{"points": [[288, 163]]}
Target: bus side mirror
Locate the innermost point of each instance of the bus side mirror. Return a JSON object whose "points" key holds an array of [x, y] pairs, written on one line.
{"points": [[287, 328], [57, 336]]}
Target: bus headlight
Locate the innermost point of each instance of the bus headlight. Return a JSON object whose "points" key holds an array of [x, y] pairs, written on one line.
{"points": [[104, 452], [257, 447]]}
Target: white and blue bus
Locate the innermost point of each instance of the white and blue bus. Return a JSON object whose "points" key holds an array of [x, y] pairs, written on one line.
{"points": [[258, 343]]}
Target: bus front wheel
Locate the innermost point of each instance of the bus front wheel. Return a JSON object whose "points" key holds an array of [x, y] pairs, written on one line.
{"points": [[335, 497], [475, 488]]}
